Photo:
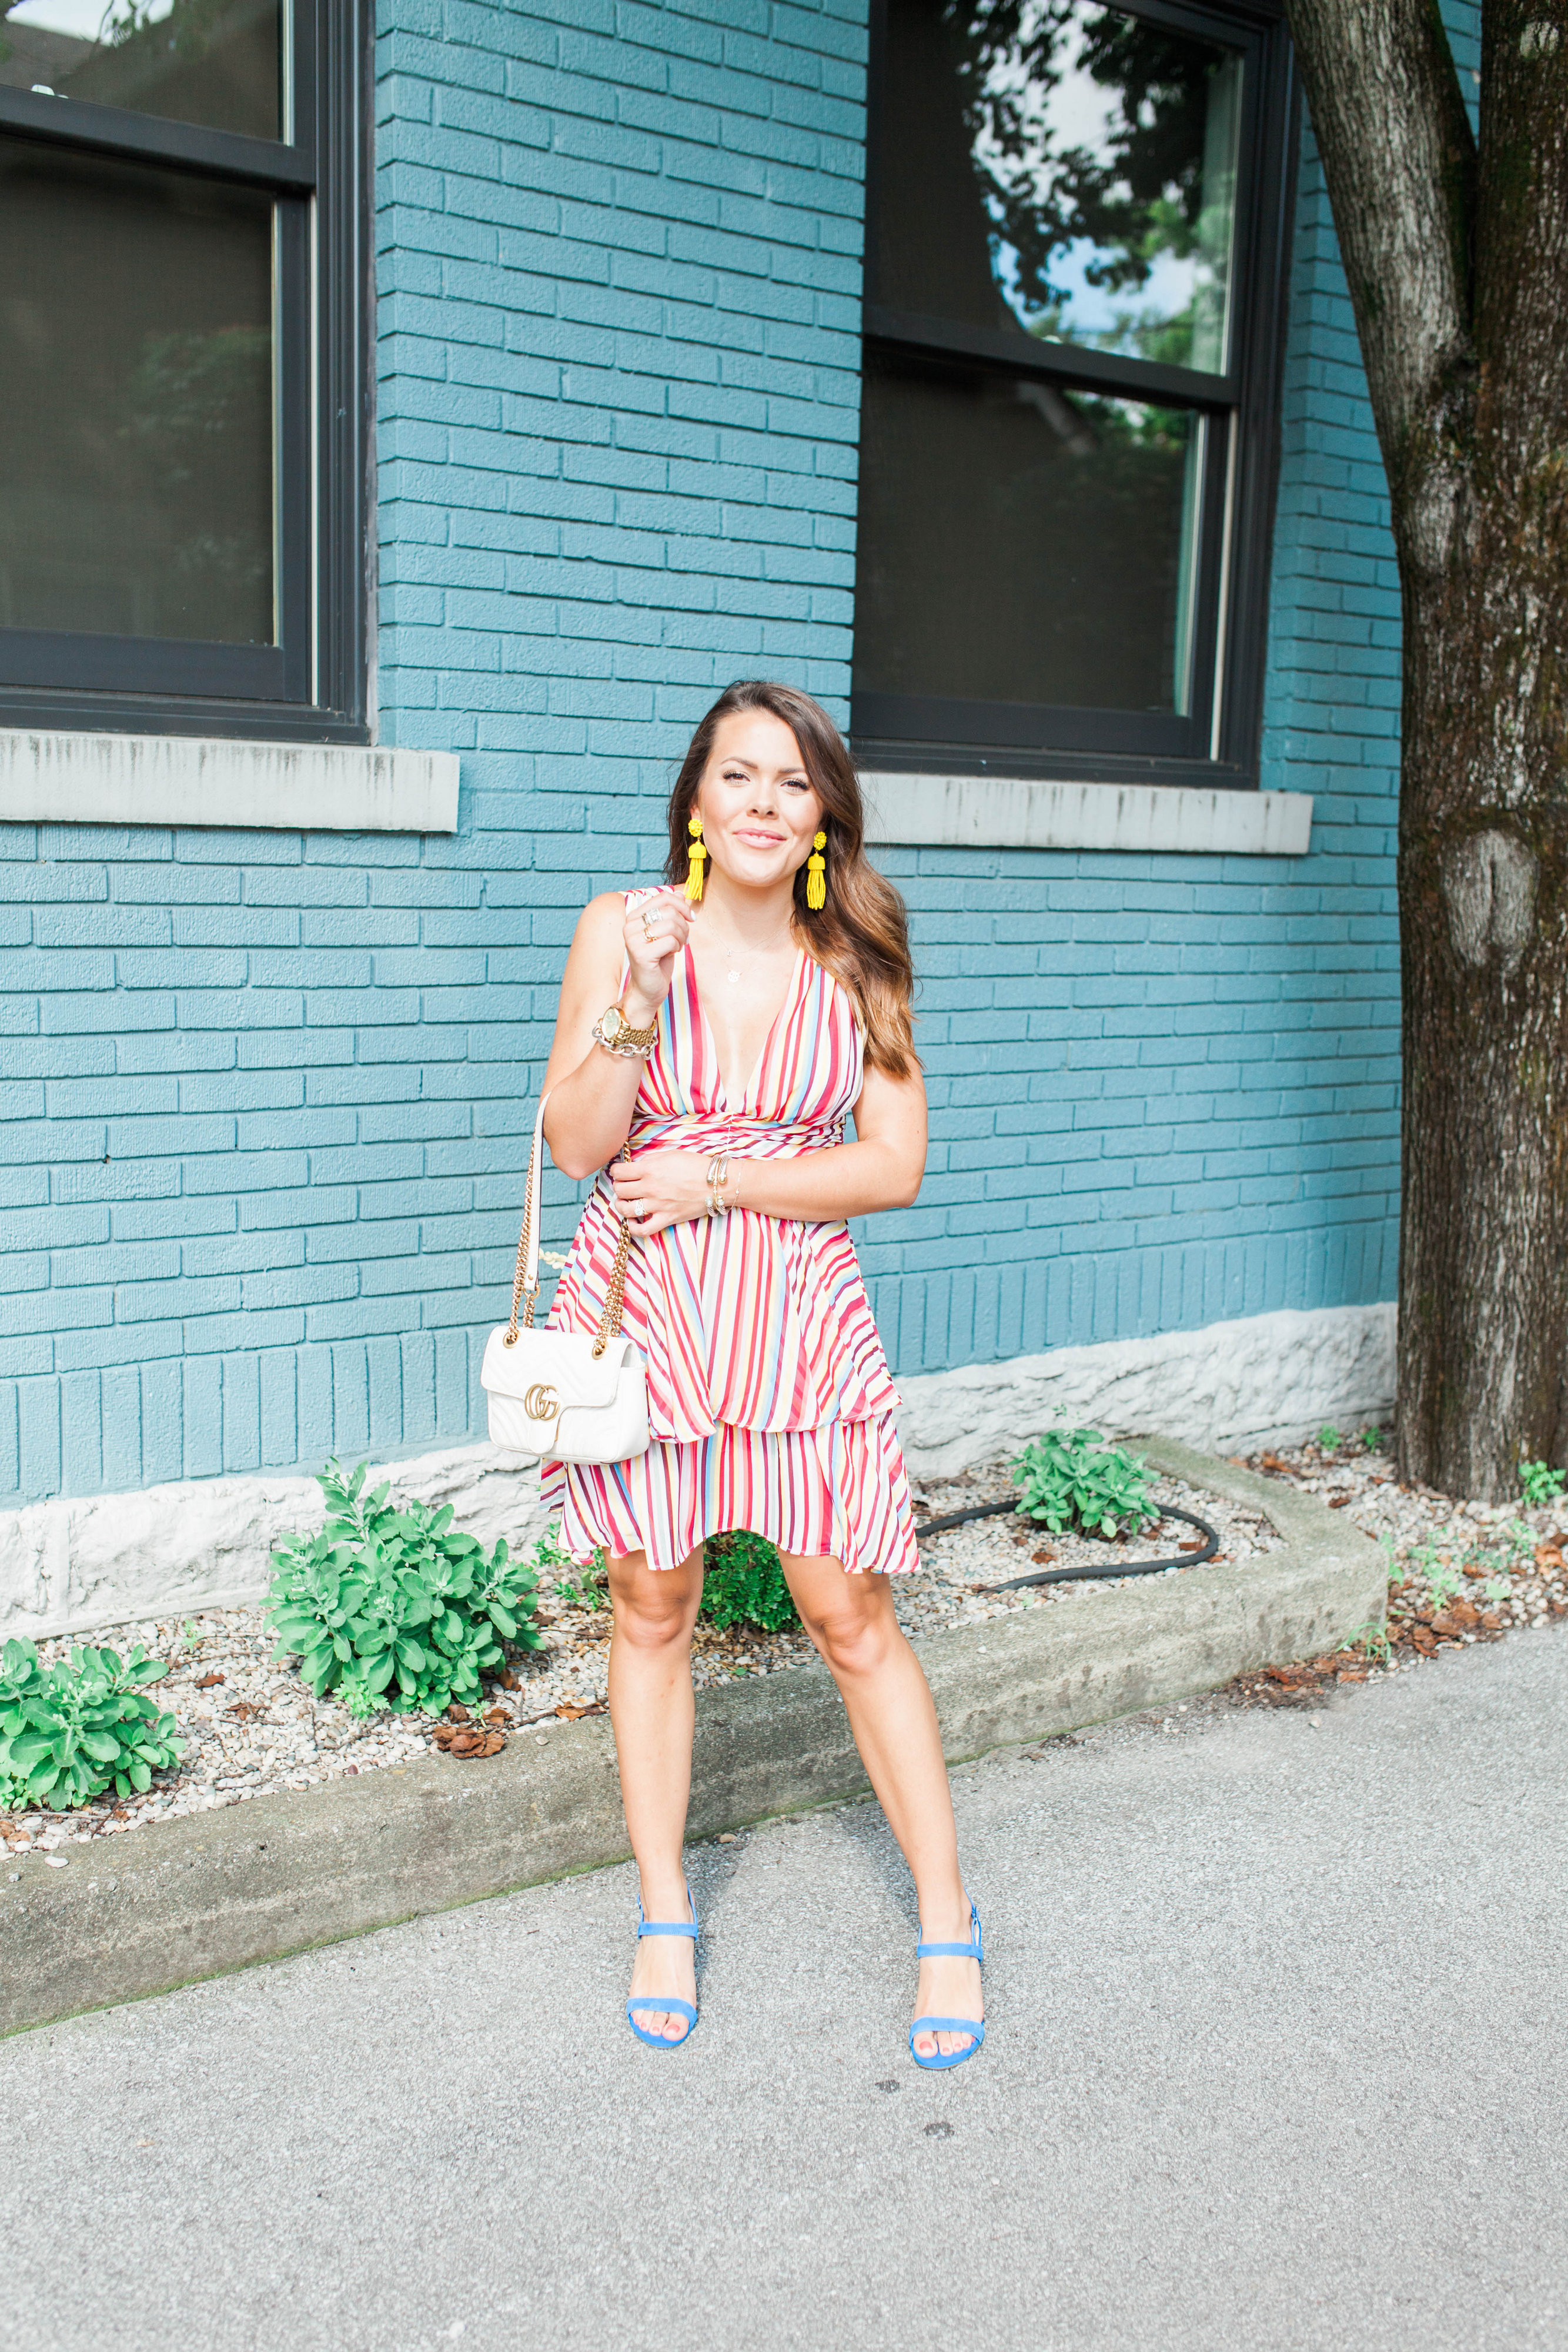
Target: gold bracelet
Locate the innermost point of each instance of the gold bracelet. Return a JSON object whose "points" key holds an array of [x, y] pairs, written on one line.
{"points": [[616, 1034], [718, 1178]]}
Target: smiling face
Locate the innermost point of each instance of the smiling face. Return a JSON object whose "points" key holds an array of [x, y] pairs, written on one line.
{"points": [[759, 807]]}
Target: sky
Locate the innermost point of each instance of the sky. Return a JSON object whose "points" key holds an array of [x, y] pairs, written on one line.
{"points": [[83, 18], [1093, 310], [1075, 110]]}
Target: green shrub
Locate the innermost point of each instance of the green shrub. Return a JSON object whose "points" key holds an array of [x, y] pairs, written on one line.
{"points": [[1069, 1477], [393, 1608], [743, 1583], [743, 1579], [580, 1588], [1328, 1438], [74, 1730], [1539, 1483]]}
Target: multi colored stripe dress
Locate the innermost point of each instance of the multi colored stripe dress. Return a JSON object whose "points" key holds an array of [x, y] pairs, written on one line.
{"points": [[769, 1400]]}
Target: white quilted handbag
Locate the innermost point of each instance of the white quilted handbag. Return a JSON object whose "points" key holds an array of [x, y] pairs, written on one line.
{"points": [[565, 1395]]}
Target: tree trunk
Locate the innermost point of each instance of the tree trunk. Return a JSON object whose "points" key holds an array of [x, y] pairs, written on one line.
{"points": [[1459, 270], [1483, 897]]}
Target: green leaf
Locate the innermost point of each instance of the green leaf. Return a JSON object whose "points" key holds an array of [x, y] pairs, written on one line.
{"points": [[347, 1603]]}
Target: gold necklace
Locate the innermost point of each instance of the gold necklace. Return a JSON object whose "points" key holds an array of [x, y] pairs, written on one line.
{"points": [[733, 954]]}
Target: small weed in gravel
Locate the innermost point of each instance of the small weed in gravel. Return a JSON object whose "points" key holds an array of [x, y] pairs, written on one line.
{"points": [[1459, 1571]]}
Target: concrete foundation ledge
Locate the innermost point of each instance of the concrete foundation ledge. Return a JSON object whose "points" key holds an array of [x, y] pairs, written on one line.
{"points": [[166, 1905], [73, 1563]]}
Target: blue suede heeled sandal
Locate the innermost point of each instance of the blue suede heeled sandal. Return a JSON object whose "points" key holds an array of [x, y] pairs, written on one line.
{"points": [[971, 2025], [664, 2001]]}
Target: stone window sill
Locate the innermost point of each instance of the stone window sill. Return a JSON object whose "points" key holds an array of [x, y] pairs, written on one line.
{"points": [[189, 780], [1015, 813]]}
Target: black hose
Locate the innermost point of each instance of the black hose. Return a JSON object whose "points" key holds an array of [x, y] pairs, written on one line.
{"points": [[956, 1518], [1079, 1575]]}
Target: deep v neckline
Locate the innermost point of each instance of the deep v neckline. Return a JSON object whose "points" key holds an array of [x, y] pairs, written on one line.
{"points": [[791, 985]]}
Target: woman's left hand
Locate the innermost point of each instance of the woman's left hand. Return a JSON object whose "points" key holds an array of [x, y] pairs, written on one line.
{"points": [[660, 1189]]}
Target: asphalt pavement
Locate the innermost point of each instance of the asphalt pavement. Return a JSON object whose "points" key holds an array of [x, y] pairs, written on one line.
{"points": [[1276, 2058]]}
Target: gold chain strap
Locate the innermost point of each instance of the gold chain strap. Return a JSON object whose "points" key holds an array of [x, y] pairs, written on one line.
{"points": [[614, 1296], [511, 1339]]}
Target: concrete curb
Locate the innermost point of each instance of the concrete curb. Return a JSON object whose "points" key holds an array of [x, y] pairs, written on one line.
{"points": [[81, 1562], [169, 1904]]}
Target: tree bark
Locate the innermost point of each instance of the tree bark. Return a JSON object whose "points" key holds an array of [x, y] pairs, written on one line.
{"points": [[1458, 264]]}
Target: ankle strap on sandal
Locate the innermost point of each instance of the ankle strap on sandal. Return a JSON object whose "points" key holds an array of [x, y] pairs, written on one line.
{"points": [[972, 1950]]}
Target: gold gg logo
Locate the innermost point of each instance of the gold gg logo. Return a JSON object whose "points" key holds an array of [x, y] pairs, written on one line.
{"points": [[541, 1403]]}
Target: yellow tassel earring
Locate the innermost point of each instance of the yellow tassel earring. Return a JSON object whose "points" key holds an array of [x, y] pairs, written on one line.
{"points": [[696, 852], [817, 875]]}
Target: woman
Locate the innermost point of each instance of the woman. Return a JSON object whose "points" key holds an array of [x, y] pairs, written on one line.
{"points": [[734, 1025]]}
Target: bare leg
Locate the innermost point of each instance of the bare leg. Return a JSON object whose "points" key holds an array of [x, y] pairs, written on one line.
{"points": [[653, 1712], [851, 1620]]}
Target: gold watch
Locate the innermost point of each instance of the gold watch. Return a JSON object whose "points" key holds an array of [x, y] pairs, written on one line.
{"points": [[616, 1034]]}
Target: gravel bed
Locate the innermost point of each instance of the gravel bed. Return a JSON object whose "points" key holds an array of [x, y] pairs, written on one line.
{"points": [[253, 1728], [1459, 1572], [957, 1566]]}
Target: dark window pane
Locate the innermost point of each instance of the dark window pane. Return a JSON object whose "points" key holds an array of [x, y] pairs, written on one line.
{"points": [[1024, 543], [212, 61], [136, 382], [1060, 168]]}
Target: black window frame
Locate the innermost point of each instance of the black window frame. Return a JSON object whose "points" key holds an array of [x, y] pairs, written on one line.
{"points": [[312, 686], [1219, 745]]}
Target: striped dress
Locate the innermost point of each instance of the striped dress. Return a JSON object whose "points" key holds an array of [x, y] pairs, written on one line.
{"points": [[769, 1400]]}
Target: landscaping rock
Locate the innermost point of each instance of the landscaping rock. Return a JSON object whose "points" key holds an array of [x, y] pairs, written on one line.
{"points": [[253, 1728], [223, 1888]]}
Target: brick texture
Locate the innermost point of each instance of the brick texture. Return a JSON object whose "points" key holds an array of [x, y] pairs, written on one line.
{"points": [[266, 1096]]}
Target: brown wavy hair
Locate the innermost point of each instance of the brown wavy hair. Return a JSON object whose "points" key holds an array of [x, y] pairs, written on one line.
{"points": [[861, 935]]}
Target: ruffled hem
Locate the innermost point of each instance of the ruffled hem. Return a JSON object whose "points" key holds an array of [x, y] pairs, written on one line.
{"points": [[838, 1491]]}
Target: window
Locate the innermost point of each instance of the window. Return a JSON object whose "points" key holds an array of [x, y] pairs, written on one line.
{"points": [[183, 506], [1073, 324]]}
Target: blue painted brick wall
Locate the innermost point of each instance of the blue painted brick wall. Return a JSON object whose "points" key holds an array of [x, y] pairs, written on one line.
{"points": [[619, 317], [267, 1095], [1165, 1089]]}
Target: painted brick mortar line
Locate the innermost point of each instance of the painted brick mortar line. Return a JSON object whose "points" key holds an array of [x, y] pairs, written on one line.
{"points": [[265, 1095]]}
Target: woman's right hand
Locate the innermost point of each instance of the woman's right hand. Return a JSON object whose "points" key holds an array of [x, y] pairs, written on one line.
{"points": [[654, 930]]}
